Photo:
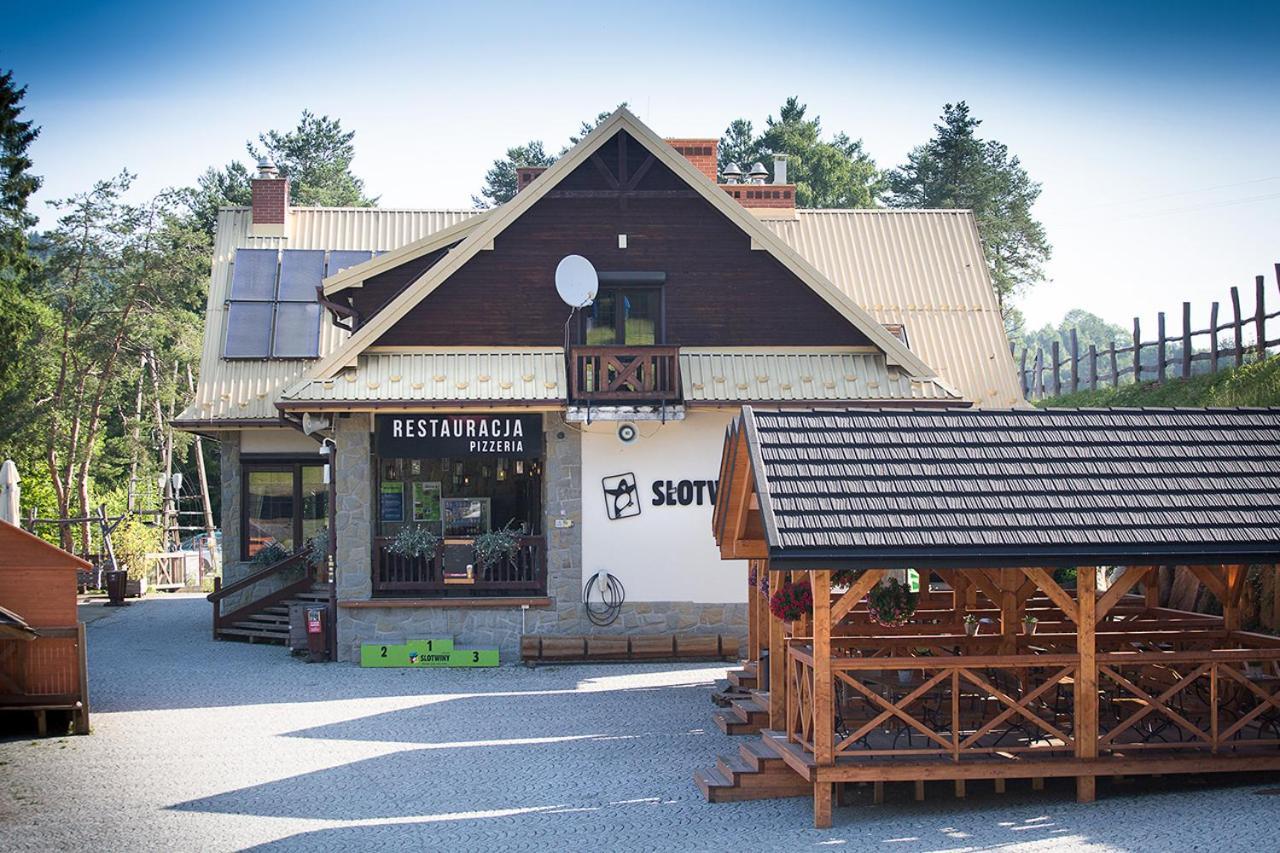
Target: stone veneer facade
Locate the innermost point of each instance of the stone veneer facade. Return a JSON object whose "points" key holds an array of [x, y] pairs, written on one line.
{"points": [[492, 627]]}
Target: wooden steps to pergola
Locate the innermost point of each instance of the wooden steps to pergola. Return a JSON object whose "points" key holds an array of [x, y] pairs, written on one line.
{"points": [[987, 506]]}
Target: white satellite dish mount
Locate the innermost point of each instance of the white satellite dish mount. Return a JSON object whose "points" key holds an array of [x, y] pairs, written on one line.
{"points": [[576, 281]]}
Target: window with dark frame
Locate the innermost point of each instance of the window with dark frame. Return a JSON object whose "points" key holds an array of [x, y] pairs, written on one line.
{"points": [[630, 315], [283, 502]]}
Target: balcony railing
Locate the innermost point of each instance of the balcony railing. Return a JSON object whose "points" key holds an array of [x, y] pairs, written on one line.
{"points": [[623, 374], [396, 574]]}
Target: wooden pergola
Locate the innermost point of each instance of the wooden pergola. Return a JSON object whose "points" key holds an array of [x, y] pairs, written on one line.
{"points": [[991, 507]]}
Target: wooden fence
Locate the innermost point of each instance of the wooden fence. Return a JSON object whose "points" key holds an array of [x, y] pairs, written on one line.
{"points": [[1054, 373]]}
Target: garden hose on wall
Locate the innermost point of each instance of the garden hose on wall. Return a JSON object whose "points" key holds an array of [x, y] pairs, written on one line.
{"points": [[611, 595]]}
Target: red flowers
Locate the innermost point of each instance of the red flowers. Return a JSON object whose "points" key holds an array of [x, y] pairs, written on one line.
{"points": [[791, 601]]}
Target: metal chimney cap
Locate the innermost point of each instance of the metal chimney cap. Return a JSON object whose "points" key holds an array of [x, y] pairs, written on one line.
{"points": [[732, 174], [758, 173], [266, 168]]}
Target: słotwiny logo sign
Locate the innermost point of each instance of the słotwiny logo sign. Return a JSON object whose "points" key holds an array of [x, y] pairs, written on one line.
{"points": [[621, 497]]}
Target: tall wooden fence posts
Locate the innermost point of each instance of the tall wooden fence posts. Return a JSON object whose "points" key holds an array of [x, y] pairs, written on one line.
{"points": [[1144, 361]]}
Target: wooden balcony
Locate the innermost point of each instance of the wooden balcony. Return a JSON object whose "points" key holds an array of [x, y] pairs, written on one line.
{"points": [[649, 374], [426, 576]]}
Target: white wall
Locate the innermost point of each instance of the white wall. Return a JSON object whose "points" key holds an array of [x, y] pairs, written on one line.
{"points": [[666, 553], [283, 441]]}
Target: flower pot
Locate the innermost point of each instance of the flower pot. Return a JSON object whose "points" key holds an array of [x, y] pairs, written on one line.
{"points": [[1028, 628], [971, 629], [117, 585], [136, 589]]}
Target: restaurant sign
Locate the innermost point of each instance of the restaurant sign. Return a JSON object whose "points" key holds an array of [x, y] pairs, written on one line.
{"points": [[433, 436]]}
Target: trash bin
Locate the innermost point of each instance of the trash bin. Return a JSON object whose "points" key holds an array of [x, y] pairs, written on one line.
{"points": [[318, 632], [116, 582]]}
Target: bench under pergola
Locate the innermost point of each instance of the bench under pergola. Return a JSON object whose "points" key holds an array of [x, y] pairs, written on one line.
{"points": [[992, 506]]}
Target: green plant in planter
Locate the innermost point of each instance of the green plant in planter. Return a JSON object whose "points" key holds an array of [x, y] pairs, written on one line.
{"points": [[270, 554], [319, 547], [415, 541], [892, 603], [131, 541], [497, 546]]}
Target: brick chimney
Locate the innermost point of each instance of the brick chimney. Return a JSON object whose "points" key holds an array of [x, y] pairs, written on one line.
{"points": [[525, 175], [270, 200], [703, 153]]}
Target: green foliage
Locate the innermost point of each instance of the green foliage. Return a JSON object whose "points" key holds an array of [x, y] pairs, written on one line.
{"points": [[892, 603], [316, 157], [497, 546], [132, 540], [21, 314], [500, 181], [1256, 383], [217, 188], [957, 169], [835, 173], [269, 555], [318, 544], [415, 541], [791, 600]]}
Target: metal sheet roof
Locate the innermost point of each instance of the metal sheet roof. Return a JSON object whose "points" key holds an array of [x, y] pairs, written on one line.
{"points": [[921, 269], [247, 390], [957, 487], [461, 375], [925, 270], [790, 375]]}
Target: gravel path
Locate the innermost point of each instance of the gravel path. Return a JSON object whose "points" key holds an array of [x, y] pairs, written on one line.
{"points": [[220, 746]]}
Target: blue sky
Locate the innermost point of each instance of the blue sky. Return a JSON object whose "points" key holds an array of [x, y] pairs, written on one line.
{"points": [[1153, 127]]}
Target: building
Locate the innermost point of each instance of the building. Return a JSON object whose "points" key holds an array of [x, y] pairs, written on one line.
{"points": [[426, 357]]}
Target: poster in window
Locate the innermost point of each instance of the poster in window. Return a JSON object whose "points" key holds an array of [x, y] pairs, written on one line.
{"points": [[426, 502], [466, 516], [391, 502]]}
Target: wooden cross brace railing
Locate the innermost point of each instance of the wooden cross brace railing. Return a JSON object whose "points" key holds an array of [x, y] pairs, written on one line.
{"points": [[1152, 704]]}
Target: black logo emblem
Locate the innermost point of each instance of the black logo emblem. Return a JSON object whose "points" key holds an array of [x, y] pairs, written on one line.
{"points": [[621, 498]]}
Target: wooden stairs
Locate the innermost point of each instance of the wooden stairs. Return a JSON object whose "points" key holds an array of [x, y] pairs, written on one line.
{"points": [[757, 772], [271, 623], [745, 678], [746, 713]]}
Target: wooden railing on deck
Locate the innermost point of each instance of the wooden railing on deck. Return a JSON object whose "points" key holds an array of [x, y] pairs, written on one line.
{"points": [[649, 374], [395, 574], [955, 705]]}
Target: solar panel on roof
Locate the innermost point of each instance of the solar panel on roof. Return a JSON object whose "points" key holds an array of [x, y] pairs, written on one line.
{"points": [[297, 330], [341, 259], [249, 330], [253, 274], [300, 273]]}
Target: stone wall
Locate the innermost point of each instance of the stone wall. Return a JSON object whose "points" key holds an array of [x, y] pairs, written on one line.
{"points": [[491, 627], [229, 462]]}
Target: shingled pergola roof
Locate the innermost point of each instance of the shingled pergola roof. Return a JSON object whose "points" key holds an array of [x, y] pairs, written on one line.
{"points": [[957, 488]]}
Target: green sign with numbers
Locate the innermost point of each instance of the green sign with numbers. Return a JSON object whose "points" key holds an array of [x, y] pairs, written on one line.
{"points": [[424, 653]]}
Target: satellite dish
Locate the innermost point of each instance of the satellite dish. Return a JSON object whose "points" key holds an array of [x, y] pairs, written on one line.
{"points": [[576, 281]]}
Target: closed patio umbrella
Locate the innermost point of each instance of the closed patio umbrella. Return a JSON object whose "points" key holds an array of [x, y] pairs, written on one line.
{"points": [[9, 492]]}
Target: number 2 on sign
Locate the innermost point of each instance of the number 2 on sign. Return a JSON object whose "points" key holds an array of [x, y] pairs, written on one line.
{"points": [[384, 652]]}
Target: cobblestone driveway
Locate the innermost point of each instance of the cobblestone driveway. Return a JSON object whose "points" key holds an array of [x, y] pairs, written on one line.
{"points": [[213, 746]]}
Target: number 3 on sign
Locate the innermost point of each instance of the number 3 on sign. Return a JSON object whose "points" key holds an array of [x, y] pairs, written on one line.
{"points": [[475, 657]]}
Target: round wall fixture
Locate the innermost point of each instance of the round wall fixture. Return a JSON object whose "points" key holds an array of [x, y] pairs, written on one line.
{"points": [[627, 433]]}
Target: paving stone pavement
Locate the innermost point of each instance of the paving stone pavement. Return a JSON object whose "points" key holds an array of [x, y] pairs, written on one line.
{"points": [[220, 746]]}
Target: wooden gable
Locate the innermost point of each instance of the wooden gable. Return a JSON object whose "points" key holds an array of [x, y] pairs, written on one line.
{"points": [[719, 291], [737, 522], [37, 580]]}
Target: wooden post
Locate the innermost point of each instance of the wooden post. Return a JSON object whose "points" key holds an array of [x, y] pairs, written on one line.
{"points": [[1037, 378], [1233, 581], [1238, 327], [1022, 374], [1093, 367], [1057, 368], [1275, 599], [1009, 582], [1213, 337], [753, 628], [1186, 340], [1260, 315], [1086, 693], [823, 698], [778, 664], [1161, 351], [1075, 362], [1115, 365], [1137, 350], [1151, 588]]}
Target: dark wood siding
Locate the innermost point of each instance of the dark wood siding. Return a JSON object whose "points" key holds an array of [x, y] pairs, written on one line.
{"points": [[382, 288], [718, 291]]}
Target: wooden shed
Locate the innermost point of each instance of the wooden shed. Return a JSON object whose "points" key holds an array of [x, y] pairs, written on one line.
{"points": [[1016, 514], [42, 660]]}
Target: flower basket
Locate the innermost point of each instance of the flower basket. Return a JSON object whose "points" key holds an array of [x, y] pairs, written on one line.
{"points": [[971, 625], [791, 601], [1029, 625], [892, 604]]}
